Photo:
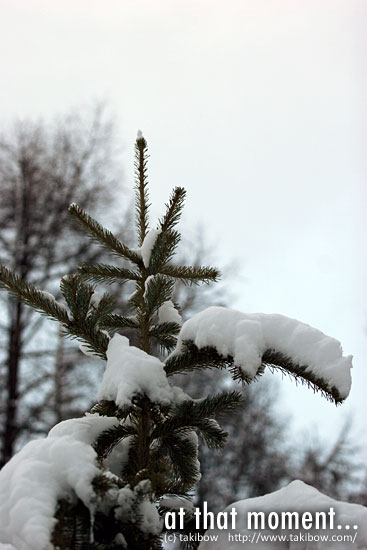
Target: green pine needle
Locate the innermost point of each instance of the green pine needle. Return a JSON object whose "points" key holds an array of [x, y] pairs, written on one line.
{"points": [[103, 236], [102, 273], [174, 209], [116, 321], [141, 187], [33, 297], [188, 274]]}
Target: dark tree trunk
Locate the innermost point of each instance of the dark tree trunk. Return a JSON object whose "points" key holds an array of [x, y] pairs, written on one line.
{"points": [[13, 362]]}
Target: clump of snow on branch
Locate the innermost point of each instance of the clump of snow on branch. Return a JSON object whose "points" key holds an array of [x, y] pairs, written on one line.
{"points": [[146, 248], [138, 499], [297, 497], [52, 298], [192, 436], [44, 471], [95, 299], [167, 313], [247, 336], [130, 371]]}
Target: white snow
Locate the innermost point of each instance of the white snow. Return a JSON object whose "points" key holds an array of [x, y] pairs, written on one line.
{"points": [[125, 500], [48, 295], [246, 336], [176, 503], [44, 471], [167, 313], [95, 299], [151, 520], [146, 285], [146, 248], [52, 298], [193, 437], [295, 497], [118, 457], [130, 371], [85, 429]]}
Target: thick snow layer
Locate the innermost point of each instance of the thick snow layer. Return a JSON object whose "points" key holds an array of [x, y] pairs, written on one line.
{"points": [[296, 497], [131, 371], [146, 248], [44, 471], [151, 520], [246, 336], [192, 436], [118, 457], [167, 313]]}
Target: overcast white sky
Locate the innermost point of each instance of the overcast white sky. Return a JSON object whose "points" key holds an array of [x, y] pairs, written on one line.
{"points": [[258, 108]]}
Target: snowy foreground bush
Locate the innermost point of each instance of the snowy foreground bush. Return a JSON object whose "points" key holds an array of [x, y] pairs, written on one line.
{"points": [[296, 497], [106, 481]]}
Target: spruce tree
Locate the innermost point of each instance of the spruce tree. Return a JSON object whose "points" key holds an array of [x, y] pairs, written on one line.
{"points": [[139, 442]]}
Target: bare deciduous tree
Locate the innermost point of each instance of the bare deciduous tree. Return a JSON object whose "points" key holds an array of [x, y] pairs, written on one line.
{"points": [[43, 168]]}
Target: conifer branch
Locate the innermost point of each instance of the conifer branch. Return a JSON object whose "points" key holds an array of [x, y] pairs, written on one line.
{"points": [[174, 209], [277, 361], [193, 358], [102, 273], [105, 307], [141, 187], [213, 435], [200, 415], [83, 325], [158, 290], [111, 437], [33, 297], [214, 405], [165, 334], [103, 236], [165, 328], [85, 330], [163, 250], [188, 274], [116, 321], [109, 408], [182, 453]]}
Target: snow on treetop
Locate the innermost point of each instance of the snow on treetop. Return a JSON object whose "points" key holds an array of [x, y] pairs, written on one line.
{"points": [[131, 371], [247, 336], [44, 471], [296, 497]]}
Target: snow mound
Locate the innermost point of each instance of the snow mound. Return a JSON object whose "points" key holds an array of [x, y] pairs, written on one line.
{"points": [[44, 471], [246, 336], [295, 497], [167, 313], [131, 371]]}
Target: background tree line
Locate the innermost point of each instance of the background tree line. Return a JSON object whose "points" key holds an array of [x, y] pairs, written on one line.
{"points": [[43, 380]]}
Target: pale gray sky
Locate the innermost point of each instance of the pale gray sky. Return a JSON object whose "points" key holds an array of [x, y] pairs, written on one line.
{"points": [[258, 108]]}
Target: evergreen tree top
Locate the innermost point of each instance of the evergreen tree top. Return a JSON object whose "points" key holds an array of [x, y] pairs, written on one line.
{"points": [[139, 444]]}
